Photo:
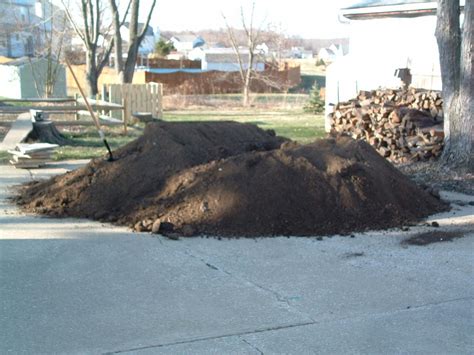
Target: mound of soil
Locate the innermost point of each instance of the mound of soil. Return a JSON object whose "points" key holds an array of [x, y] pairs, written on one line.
{"points": [[231, 179]]}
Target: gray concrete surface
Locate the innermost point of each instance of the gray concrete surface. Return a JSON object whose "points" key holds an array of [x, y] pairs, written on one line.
{"points": [[19, 130], [77, 286]]}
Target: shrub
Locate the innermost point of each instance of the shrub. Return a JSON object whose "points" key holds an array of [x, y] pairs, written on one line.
{"points": [[163, 48], [315, 103], [320, 62]]}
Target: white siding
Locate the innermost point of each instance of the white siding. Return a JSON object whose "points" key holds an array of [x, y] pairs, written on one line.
{"points": [[10, 82], [229, 66], [20, 82], [30, 80]]}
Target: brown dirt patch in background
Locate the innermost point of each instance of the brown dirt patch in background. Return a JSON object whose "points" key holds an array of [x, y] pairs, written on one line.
{"points": [[231, 179]]}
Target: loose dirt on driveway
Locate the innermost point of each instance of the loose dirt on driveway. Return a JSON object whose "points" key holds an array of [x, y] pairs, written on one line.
{"points": [[231, 179]]}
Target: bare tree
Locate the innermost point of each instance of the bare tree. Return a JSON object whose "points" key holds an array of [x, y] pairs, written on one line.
{"points": [[91, 31], [246, 60], [126, 69], [456, 60], [39, 36], [276, 37], [49, 45]]}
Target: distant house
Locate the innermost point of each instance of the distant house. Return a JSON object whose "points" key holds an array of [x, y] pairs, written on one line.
{"points": [[331, 53], [148, 43], [176, 56], [225, 59], [385, 35], [186, 43], [262, 49], [17, 20], [300, 53], [26, 78], [26, 24], [197, 53]]}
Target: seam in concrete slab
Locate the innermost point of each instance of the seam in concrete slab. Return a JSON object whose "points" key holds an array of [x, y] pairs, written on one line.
{"points": [[196, 340], [288, 326]]}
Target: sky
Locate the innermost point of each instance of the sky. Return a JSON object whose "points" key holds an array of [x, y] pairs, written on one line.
{"points": [[304, 18]]}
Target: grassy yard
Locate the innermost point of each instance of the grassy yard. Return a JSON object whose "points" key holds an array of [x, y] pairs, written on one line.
{"points": [[87, 143], [296, 125], [308, 67], [290, 122]]}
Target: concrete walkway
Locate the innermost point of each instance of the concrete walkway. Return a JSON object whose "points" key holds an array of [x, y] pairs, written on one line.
{"points": [[18, 131], [76, 286]]}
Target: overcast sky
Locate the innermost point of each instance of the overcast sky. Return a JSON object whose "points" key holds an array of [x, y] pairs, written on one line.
{"points": [[305, 18]]}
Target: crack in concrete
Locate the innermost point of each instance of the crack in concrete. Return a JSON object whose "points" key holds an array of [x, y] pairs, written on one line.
{"points": [[279, 298], [159, 239], [284, 327], [251, 345]]}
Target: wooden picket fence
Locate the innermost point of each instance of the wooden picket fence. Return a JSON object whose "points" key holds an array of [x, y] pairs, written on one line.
{"points": [[135, 98]]}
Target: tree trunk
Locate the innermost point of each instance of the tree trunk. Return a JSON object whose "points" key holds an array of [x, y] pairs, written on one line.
{"points": [[462, 128], [92, 76], [129, 67], [133, 43], [456, 61], [245, 96], [118, 60], [128, 72], [248, 79]]}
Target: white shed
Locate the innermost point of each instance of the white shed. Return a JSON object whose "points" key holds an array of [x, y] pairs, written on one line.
{"points": [[26, 78], [225, 59], [385, 35]]}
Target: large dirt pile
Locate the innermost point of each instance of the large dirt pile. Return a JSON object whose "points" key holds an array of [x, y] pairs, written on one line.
{"points": [[231, 179]]}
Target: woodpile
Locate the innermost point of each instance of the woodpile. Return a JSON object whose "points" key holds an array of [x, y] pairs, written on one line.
{"points": [[402, 125]]}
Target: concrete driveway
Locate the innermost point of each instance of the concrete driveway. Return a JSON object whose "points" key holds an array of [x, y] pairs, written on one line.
{"points": [[76, 286]]}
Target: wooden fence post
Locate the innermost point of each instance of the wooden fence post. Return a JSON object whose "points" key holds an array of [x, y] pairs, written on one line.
{"points": [[76, 115], [160, 97], [124, 115]]}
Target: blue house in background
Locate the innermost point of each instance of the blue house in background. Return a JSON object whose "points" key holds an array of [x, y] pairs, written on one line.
{"points": [[186, 43], [17, 18]]}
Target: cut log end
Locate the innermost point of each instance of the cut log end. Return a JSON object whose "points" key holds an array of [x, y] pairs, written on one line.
{"points": [[46, 132]]}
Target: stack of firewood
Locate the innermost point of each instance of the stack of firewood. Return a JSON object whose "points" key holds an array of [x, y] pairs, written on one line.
{"points": [[402, 125]]}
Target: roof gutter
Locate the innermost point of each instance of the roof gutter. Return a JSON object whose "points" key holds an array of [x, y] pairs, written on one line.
{"points": [[403, 10]]}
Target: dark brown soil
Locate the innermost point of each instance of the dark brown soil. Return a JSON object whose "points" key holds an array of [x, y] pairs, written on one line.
{"points": [[433, 237], [231, 179]]}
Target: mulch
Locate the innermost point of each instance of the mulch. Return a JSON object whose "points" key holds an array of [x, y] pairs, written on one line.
{"points": [[435, 175]]}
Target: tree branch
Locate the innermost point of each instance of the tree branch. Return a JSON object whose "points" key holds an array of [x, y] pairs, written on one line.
{"points": [[117, 35], [97, 21], [143, 33], [106, 56], [235, 47], [73, 23], [85, 15]]}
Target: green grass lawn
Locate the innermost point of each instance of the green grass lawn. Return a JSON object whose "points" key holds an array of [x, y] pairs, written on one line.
{"points": [[294, 124], [87, 143]]}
